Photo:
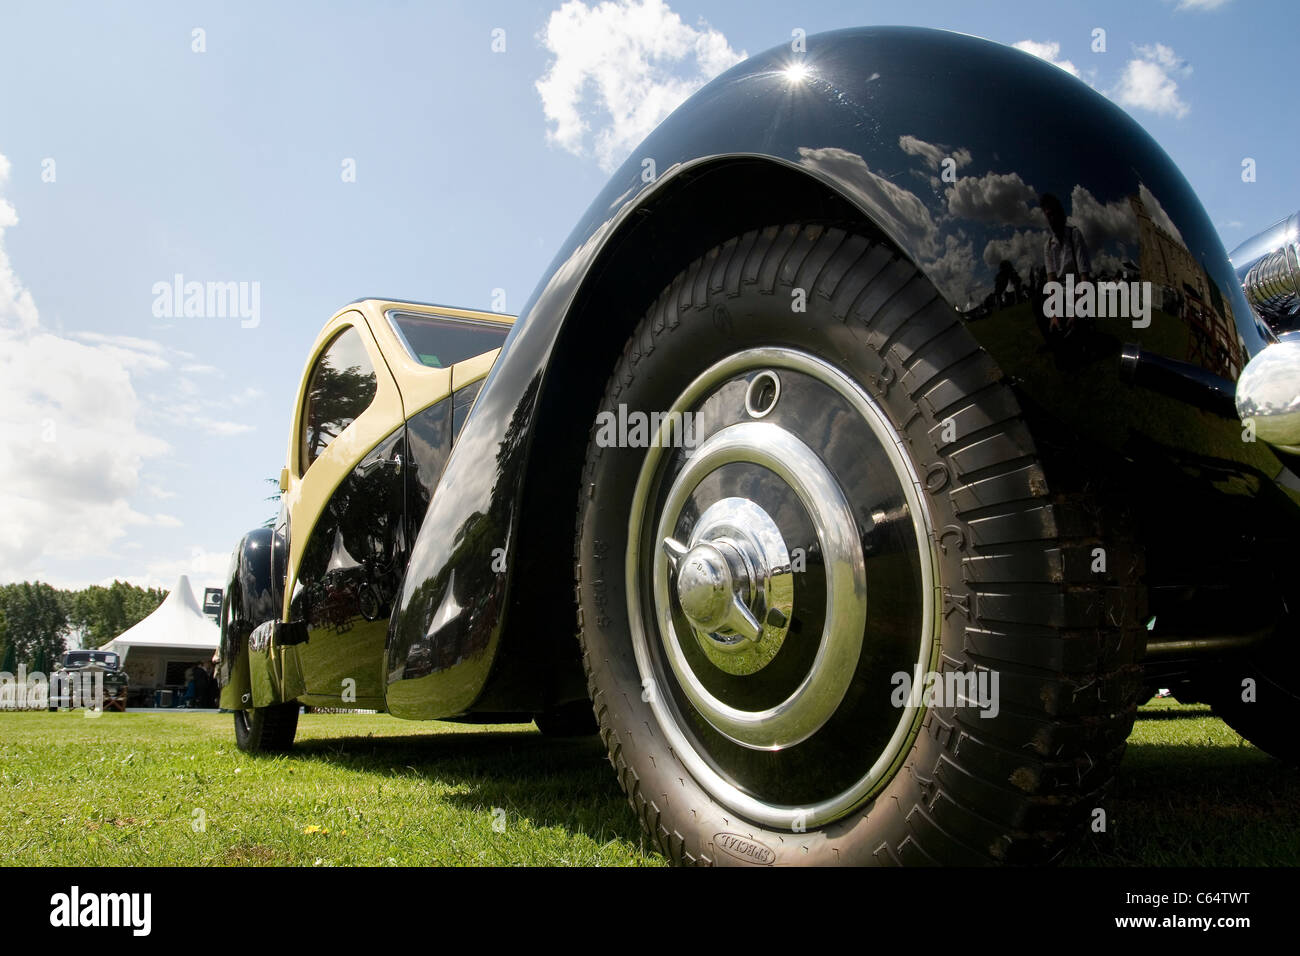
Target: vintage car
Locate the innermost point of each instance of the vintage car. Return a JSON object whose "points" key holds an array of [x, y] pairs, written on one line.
{"points": [[91, 679], [794, 478]]}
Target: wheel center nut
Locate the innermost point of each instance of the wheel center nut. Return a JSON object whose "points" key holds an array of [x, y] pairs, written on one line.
{"points": [[705, 586]]}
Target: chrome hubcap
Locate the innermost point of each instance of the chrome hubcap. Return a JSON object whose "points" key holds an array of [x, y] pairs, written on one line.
{"points": [[749, 567], [738, 566]]}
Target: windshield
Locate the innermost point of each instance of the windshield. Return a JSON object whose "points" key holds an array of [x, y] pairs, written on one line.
{"points": [[80, 658], [441, 342]]}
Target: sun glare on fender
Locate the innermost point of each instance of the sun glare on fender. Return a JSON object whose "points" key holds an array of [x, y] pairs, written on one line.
{"points": [[797, 72]]}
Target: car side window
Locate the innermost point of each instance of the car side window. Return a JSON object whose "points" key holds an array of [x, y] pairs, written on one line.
{"points": [[341, 387]]}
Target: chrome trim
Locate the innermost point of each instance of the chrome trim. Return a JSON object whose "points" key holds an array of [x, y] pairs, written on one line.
{"points": [[1268, 394], [1268, 268], [1272, 285], [815, 700], [755, 391], [727, 793]]}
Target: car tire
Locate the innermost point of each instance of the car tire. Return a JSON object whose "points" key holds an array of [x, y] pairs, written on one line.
{"points": [[1264, 715], [567, 720], [835, 391], [266, 729]]}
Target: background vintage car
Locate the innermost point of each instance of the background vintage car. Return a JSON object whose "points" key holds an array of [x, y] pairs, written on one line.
{"points": [[89, 678], [1064, 517]]}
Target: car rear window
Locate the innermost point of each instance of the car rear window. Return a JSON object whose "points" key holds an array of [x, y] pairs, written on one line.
{"points": [[440, 342]]}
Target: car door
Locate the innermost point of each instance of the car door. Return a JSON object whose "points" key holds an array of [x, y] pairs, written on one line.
{"points": [[347, 541]]}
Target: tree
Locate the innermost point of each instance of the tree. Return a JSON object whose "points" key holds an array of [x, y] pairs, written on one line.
{"points": [[34, 619], [335, 398], [10, 663], [270, 522], [102, 613]]}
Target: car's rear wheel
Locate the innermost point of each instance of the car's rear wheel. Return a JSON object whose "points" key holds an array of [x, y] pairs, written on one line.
{"points": [[807, 494], [1258, 696], [266, 729]]}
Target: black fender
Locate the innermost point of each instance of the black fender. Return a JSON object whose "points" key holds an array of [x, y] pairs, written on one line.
{"points": [[252, 597], [939, 143]]}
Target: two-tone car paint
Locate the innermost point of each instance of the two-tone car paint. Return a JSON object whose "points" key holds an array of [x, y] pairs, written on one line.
{"points": [[945, 146], [339, 546]]}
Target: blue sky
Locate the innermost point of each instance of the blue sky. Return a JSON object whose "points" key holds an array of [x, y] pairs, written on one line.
{"points": [[133, 444]]}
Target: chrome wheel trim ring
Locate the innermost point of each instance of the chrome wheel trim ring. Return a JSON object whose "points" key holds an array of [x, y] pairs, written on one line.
{"points": [[815, 700], [794, 818]]}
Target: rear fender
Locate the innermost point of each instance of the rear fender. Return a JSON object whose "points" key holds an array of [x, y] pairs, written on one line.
{"points": [[939, 143], [251, 599]]}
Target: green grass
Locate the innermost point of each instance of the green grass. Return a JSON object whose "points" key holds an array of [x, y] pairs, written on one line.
{"points": [[1191, 792], [123, 789]]}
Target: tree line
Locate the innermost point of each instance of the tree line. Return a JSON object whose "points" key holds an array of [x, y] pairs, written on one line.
{"points": [[36, 619]]}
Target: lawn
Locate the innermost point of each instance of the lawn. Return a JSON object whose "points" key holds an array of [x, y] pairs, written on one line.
{"points": [[358, 790], [171, 789]]}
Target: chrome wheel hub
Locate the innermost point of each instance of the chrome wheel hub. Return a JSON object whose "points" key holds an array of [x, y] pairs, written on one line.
{"points": [[734, 584]]}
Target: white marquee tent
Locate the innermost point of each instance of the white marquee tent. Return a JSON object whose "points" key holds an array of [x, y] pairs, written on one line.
{"points": [[176, 635]]}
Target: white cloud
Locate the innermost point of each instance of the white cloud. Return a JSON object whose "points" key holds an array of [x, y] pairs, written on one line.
{"points": [[1158, 215], [74, 437], [932, 153], [1103, 222], [204, 568], [1049, 51], [953, 270], [900, 212], [995, 197], [216, 427], [244, 396], [1201, 4], [136, 355], [1023, 248], [70, 448], [624, 64], [1148, 82], [16, 303]]}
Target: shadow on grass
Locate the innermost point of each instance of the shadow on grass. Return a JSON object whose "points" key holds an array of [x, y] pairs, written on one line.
{"points": [[562, 782], [1189, 805]]}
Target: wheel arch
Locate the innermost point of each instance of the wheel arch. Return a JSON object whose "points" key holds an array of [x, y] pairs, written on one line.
{"points": [[691, 210]]}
